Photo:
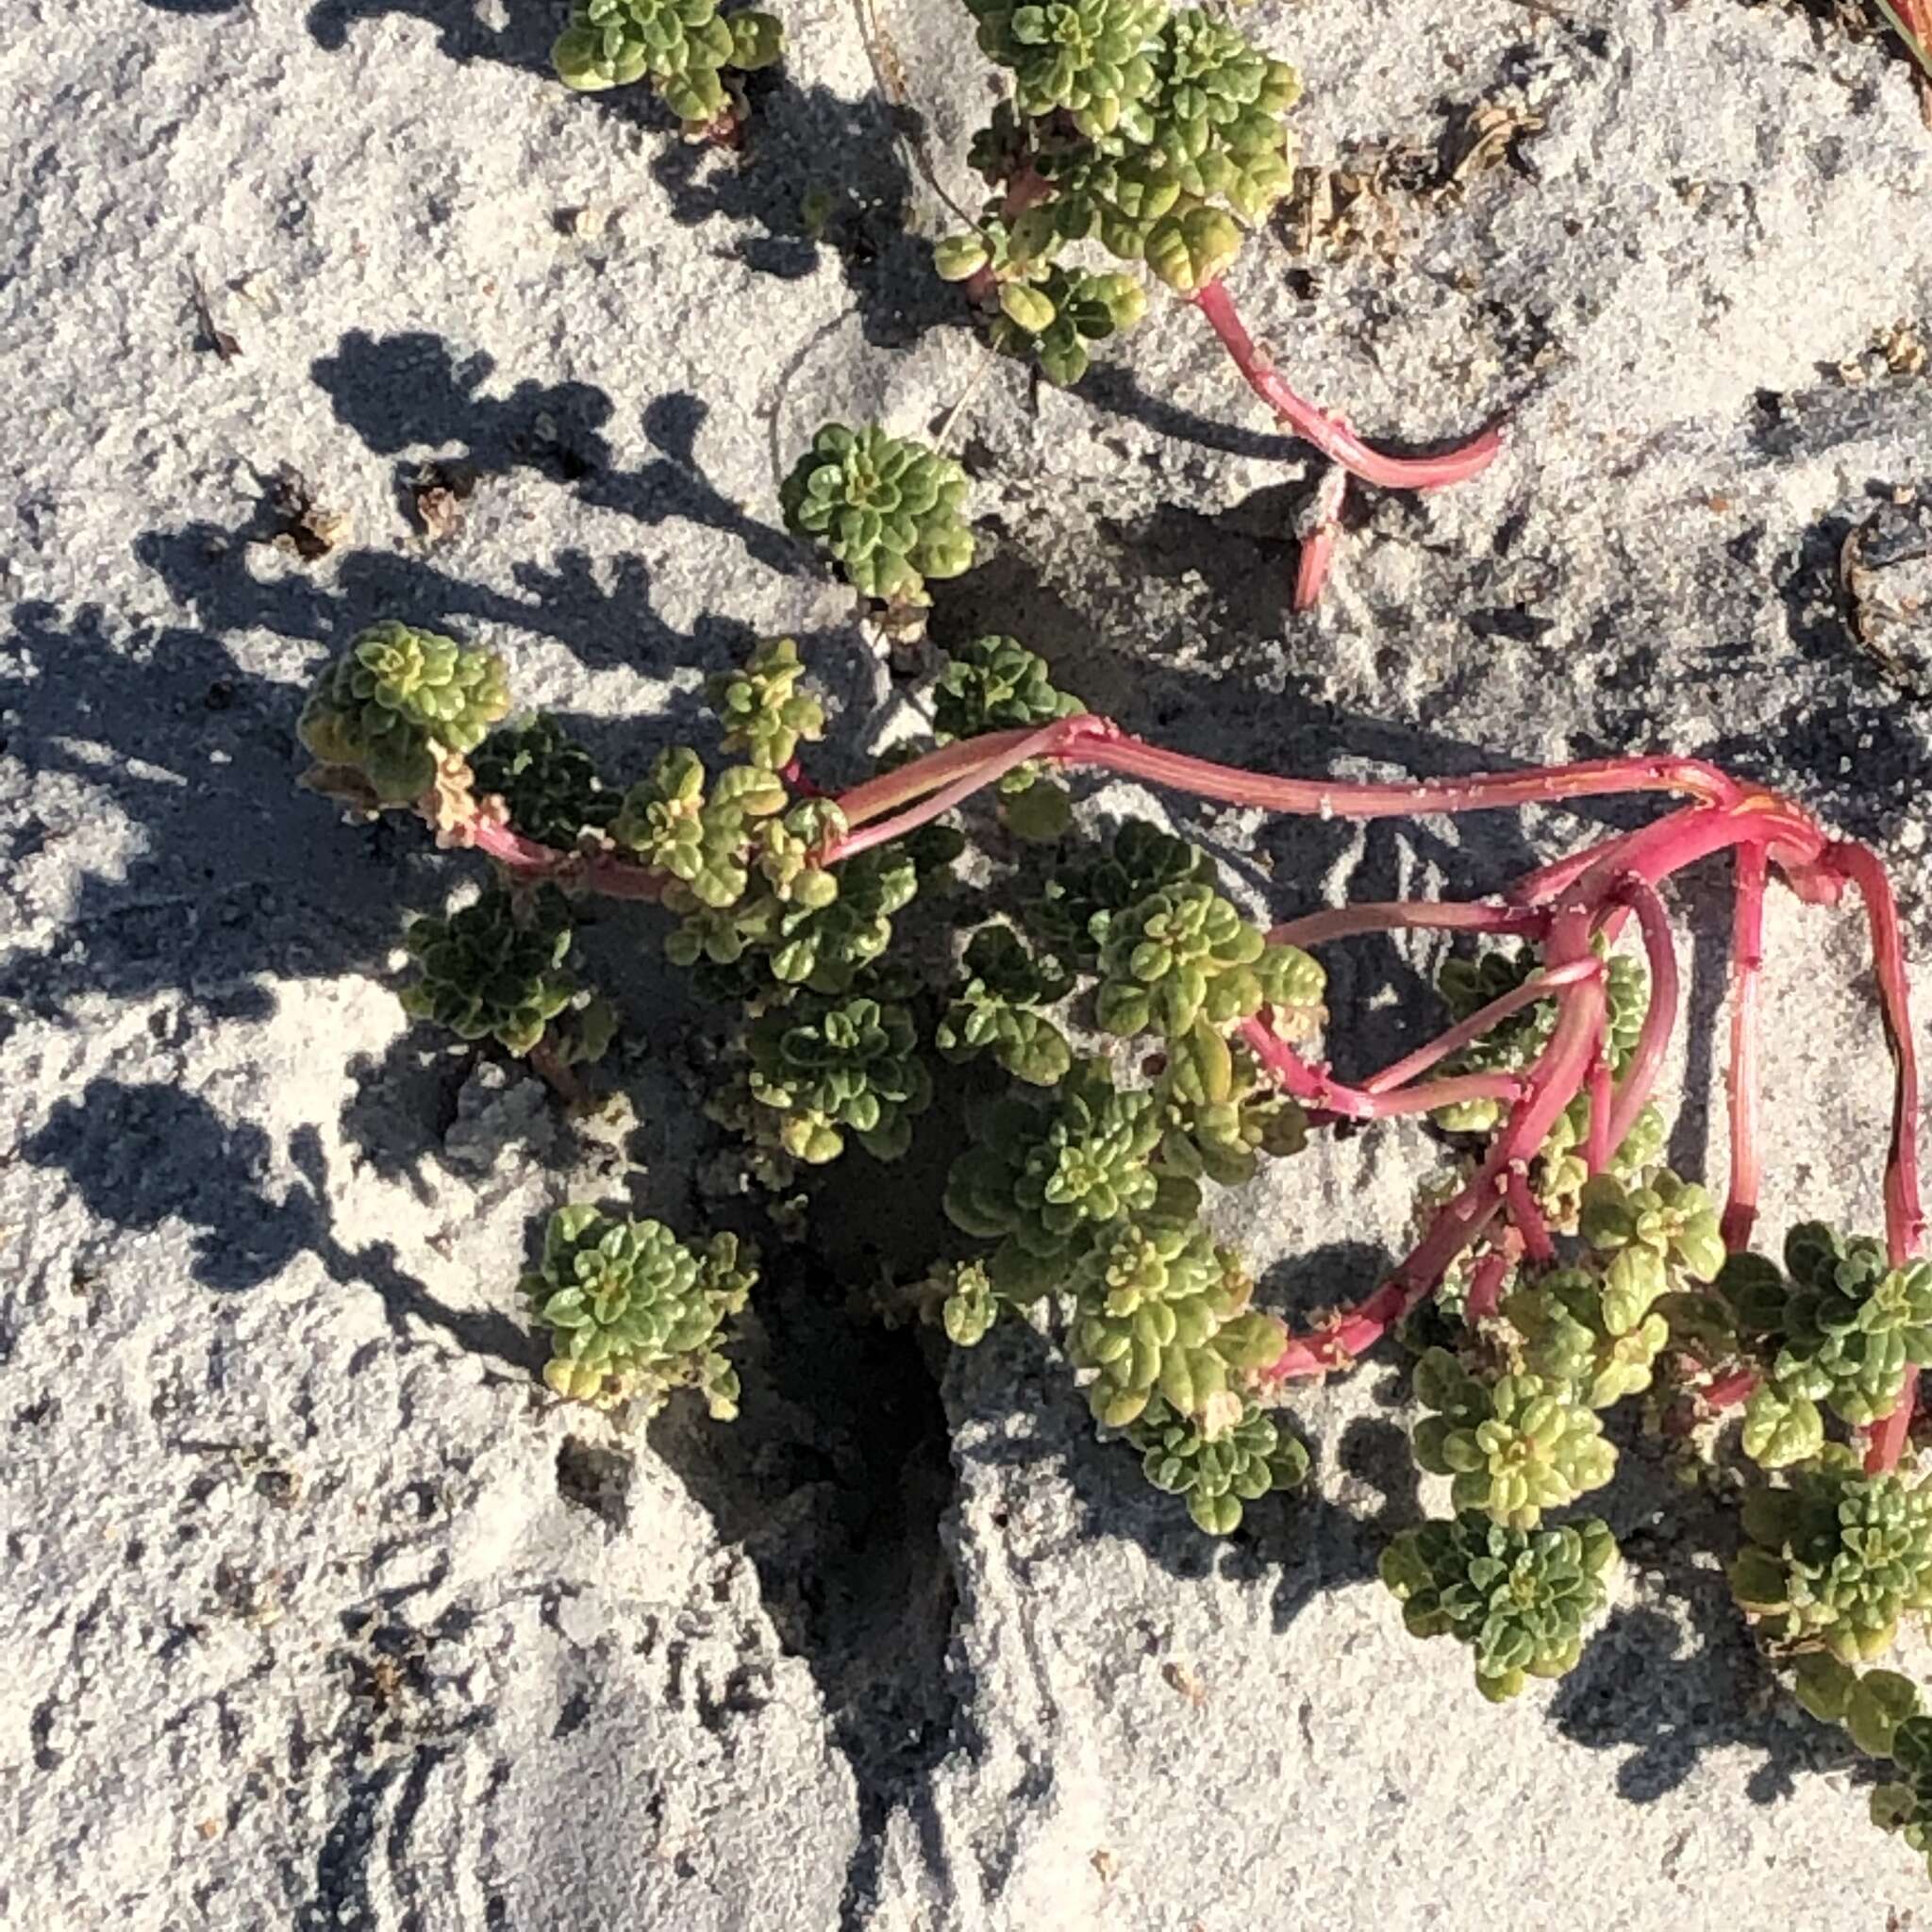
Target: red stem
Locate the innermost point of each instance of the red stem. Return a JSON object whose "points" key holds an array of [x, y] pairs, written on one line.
{"points": [[1472, 1028], [1596, 1146], [1320, 534], [1729, 1391], [1486, 1286], [1332, 798], [1659, 1021], [1550, 1086], [1528, 1218], [616, 879], [1407, 915], [1328, 433], [1317, 1090], [1028, 744], [1741, 1080], [1905, 1218]]}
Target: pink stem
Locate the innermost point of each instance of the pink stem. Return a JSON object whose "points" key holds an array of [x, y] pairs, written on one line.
{"points": [[1335, 440], [1331, 798], [1640, 1075], [1319, 534], [1596, 1146], [1551, 881], [617, 878], [1339, 1344], [1465, 1031], [1905, 1218], [891, 790], [1729, 1391], [1550, 1086], [1528, 1218], [1486, 1286], [1741, 1080], [881, 831], [1407, 915], [1316, 1090]]}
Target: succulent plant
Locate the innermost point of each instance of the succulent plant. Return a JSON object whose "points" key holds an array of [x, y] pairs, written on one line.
{"points": [[1515, 1446], [697, 830], [970, 1306], [885, 508], [1468, 983], [1161, 1306], [1217, 1473], [1043, 1179], [1076, 910], [548, 783], [829, 1067], [1222, 1110], [999, 1008], [1184, 952], [1835, 1557], [1215, 114], [1519, 1598], [1574, 1331], [995, 684], [1055, 312], [634, 1312], [493, 969], [820, 938], [396, 699], [765, 715], [1156, 133], [1904, 1804], [685, 48], [1837, 1332], [1086, 57]]}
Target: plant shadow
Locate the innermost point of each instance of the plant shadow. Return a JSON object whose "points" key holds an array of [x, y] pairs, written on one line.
{"points": [[411, 391], [815, 174], [141, 1154]]}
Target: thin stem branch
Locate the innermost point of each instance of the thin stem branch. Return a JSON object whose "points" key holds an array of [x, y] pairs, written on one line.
{"points": [[1905, 1218], [1408, 915], [1550, 1086], [1741, 1077], [1328, 432], [597, 871], [1485, 1284], [1465, 1032], [1334, 798], [891, 790], [1729, 1391], [1320, 532], [1316, 1089], [1597, 1145], [1018, 747], [1528, 1218], [1661, 1018]]}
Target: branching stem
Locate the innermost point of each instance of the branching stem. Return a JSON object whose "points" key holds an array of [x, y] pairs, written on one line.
{"points": [[1328, 433], [1741, 1080]]}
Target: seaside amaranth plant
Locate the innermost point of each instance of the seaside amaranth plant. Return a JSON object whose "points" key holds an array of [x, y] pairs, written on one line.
{"points": [[1099, 1042], [1139, 137], [691, 53]]}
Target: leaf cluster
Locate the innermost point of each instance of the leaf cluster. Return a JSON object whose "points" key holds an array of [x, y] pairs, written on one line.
{"points": [[1156, 133], [685, 49], [634, 1313]]}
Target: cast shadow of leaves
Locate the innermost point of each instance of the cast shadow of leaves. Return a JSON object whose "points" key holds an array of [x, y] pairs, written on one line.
{"points": [[815, 173], [139, 1155], [412, 391], [229, 870]]}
